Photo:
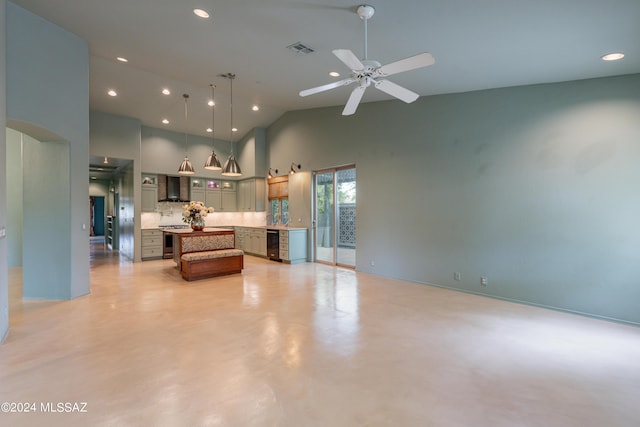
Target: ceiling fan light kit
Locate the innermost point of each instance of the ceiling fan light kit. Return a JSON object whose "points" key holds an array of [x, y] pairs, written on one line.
{"points": [[366, 71]]}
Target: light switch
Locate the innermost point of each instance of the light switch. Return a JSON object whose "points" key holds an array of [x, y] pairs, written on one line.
{"points": [[3, 232]]}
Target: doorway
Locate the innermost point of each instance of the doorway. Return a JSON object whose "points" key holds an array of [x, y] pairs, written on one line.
{"points": [[96, 207], [335, 216]]}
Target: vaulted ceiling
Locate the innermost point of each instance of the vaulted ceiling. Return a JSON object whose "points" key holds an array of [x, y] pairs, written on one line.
{"points": [[476, 45]]}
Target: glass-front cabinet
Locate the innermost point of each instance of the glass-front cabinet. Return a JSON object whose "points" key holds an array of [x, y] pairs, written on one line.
{"points": [[149, 192]]}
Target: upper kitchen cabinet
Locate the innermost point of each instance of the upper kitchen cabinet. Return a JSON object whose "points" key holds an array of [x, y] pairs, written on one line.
{"points": [[149, 193], [197, 192], [228, 195], [251, 195], [252, 153]]}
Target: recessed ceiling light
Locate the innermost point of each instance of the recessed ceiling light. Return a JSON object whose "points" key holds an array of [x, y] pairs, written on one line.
{"points": [[121, 59], [209, 130], [166, 91], [255, 108], [613, 56], [201, 13], [211, 103], [112, 93], [234, 129], [334, 74], [165, 121]]}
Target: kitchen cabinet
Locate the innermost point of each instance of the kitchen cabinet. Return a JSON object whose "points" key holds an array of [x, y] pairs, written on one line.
{"points": [[258, 241], [228, 195], [252, 240], [251, 195], [293, 245], [149, 193], [152, 244], [197, 192], [212, 196]]}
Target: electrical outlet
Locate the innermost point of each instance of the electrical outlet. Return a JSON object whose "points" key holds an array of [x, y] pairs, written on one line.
{"points": [[484, 281], [456, 276], [373, 263]]}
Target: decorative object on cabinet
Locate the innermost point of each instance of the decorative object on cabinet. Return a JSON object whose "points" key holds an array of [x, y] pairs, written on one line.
{"points": [[212, 162], [186, 168], [231, 167], [194, 214], [293, 168]]}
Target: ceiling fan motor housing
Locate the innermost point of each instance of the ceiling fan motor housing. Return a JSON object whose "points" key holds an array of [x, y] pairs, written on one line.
{"points": [[366, 11]]}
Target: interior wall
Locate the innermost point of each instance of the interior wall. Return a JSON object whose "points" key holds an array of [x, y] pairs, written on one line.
{"points": [[14, 193], [534, 188], [4, 274], [46, 271], [120, 137], [48, 94]]}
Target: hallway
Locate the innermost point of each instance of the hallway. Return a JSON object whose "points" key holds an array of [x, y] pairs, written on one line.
{"points": [[309, 345]]}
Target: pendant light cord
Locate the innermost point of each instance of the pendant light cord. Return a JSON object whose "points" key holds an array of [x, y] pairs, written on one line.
{"points": [[213, 116], [186, 134], [231, 77]]}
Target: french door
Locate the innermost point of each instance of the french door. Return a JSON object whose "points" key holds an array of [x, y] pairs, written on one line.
{"points": [[335, 216]]}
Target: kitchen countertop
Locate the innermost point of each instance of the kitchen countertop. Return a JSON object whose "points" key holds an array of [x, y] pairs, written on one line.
{"points": [[189, 230], [224, 227]]}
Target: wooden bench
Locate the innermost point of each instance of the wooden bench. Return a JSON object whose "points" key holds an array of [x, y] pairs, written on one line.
{"points": [[203, 264]]}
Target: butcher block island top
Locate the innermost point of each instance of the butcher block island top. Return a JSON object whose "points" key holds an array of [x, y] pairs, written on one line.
{"points": [[180, 246]]}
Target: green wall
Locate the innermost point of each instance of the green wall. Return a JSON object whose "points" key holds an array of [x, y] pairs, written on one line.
{"points": [[533, 187], [47, 84], [4, 276], [14, 194]]}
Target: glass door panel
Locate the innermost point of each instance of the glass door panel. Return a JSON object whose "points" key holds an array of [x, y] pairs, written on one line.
{"points": [[335, 216], [346, 217], [325, 217]]}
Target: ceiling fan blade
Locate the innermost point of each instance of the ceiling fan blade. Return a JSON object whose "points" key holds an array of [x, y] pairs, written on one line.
{"points": [[354, 100], [349, 59], [396, 90], [326, 87], [411, 63]]}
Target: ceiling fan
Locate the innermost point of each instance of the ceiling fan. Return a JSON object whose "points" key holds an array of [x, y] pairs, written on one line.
{"points": [[369, 71]]}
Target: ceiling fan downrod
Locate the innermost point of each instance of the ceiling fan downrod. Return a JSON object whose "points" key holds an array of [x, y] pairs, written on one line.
{"points": [[365, 12]]}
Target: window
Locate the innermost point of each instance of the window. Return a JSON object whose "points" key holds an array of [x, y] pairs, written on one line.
{"points": [[278, 200]]}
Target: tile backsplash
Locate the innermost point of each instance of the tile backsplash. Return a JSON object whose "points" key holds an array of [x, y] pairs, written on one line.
{"points": [[171, 214]]}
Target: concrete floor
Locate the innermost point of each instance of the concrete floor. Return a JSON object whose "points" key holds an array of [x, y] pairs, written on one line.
{"points": [[307, 345]]}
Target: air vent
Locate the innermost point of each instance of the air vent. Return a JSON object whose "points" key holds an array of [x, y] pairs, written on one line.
{"points": [[300, 48]]}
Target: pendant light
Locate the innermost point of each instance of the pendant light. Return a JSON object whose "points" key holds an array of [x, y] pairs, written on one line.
{"points": [[212, 162], [185, 167], [231, 167]]}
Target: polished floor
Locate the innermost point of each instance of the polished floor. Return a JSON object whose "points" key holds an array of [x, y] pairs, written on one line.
{"points": [[307, 345]]}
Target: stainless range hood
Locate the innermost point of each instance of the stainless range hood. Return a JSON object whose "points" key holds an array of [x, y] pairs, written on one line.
{"points": [[173, 188]]}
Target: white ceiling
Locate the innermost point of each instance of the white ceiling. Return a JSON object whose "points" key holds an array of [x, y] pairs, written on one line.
{"points": [[476, 45]]}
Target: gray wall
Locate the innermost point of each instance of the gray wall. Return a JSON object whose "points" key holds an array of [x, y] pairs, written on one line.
{"points": [[48, 98], [14, 194], [4, 275], [533, 187]]}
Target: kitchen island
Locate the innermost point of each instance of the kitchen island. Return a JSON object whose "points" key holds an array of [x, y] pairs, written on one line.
{"points": [[186, 233], [207, 253]]}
